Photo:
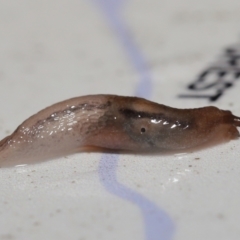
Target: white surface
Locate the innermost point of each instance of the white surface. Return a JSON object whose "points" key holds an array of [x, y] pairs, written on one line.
{"points": [[53, 50]]}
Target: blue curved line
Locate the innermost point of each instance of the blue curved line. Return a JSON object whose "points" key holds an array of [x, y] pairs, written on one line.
{"points": [[112, 8], [158, 224]]}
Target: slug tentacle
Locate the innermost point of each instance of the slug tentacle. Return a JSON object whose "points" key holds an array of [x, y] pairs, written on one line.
{"points": [[236, 121], [115, 122]]}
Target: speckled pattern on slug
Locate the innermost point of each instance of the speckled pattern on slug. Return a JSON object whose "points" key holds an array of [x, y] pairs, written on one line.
{"points": [[115, 122], [52, 133]]}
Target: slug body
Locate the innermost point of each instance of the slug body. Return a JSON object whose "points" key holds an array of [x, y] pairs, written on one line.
{"points": [[115, 122]]}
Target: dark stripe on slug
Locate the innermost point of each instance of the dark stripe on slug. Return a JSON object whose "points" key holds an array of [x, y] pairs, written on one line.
{"points": [[181, 123], [129, 113], [86, 106]]}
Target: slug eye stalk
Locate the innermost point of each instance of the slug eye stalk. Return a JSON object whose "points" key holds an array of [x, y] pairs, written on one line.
{"points": [[236, 121]]}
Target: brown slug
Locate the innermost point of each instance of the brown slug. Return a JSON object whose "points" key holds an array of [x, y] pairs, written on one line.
{"points": [[115, 122]]}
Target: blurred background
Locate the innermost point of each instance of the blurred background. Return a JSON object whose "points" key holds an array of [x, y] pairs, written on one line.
{"points": [[54, 50]]}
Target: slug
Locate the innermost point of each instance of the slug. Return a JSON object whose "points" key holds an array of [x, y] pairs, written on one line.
{"points": [[115, 122]]}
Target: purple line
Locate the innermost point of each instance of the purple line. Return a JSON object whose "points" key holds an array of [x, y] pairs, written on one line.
{"points": [[112, 8], [158, 225]]}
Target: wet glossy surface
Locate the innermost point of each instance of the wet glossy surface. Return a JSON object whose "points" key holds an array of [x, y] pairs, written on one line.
{"points": [[53, 50], [114, 122]]}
